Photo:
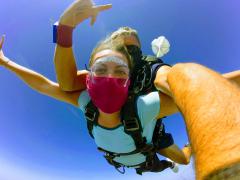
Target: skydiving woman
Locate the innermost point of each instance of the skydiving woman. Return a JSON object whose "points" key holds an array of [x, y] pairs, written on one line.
{"points": [[110, 66], [71, 80]]}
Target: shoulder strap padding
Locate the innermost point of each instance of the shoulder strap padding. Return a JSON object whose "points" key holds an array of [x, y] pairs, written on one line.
{"points": [[91, 114]]}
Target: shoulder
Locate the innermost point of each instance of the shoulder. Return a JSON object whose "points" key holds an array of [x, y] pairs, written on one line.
{"points": [[148, 99], [83, 100], [148, 106]]}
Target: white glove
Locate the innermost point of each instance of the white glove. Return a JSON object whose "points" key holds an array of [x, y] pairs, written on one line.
{"points": [[160, 46]]}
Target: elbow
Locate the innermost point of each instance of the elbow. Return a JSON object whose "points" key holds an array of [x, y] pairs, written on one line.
{"points": [[66, 84], [186, 71], [185, 77], [65, 80], [180, 71], [162, 85], [185, 161], [160, 81], [66, 88]]}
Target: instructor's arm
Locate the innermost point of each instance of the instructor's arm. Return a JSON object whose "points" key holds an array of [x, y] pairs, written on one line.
{"points": [[161, 83], [210, 105]]}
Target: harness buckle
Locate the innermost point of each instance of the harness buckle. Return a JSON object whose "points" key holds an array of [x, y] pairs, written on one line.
{"points": [[131, 124], [90, 115], [143, 79], [140, 80]]}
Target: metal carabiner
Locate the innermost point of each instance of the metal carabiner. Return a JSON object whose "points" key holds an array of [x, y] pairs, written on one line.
{"points": [[140, 82]]}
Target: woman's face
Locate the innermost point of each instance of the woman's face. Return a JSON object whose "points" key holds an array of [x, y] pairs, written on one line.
{"points": [[109, 63], [108, 81]]}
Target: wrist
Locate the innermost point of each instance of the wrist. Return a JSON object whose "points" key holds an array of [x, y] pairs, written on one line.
{"points": [[66, 22], [62, 34]]}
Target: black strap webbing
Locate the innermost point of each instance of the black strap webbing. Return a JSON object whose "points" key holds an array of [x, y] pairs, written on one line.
{"points": [[91, 114], [132, 125]]}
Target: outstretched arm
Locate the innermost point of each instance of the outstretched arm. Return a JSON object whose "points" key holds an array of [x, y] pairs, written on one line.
{"points": [[68, 77], [38, 82], [167, 104], [162, 84], [212, 118]]}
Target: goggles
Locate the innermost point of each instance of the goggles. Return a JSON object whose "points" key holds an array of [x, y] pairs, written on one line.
{"points": [[101, 67], [100, 70]]}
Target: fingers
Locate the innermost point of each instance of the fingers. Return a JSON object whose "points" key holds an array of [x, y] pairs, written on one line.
{"points": [[103, 7], [81, 10], [2, 41], [97, 9]]}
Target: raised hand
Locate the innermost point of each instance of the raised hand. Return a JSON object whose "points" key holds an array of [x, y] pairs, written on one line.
{"points": [[80, 10], [3, 59]]}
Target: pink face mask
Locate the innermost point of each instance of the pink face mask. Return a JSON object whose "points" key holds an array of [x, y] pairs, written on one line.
{"points": [[107, 93]]}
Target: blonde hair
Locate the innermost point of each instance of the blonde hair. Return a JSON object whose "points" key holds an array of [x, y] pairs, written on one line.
{"points": [[125, 31]]}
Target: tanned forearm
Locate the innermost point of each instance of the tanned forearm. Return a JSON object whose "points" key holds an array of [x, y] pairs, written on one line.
{"points": [[41, 84], [33, 79], [65, 66], [68, 77], [210, 105], [161, 83]]}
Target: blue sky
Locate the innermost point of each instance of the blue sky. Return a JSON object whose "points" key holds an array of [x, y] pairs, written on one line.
{"points": [[41, 138]]}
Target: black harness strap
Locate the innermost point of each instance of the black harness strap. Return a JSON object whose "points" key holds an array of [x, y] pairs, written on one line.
{"points": [[109, 156], [113, 154], [132, 125], [91, 114]]}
